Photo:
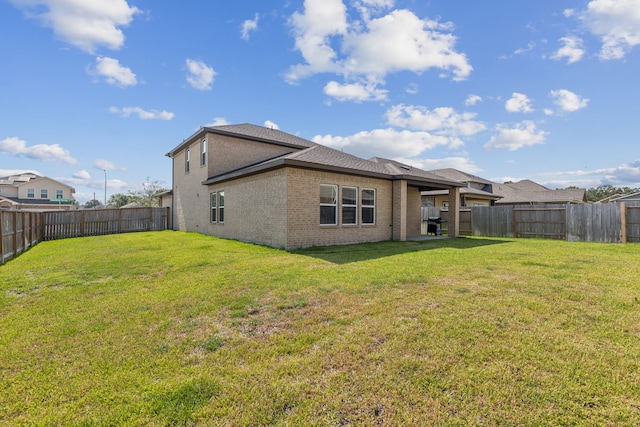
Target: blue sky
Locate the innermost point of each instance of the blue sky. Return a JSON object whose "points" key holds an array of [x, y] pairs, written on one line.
{"points": [[507, 90]]}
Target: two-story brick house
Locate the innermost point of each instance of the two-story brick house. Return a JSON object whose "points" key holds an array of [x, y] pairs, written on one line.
{"points": [[265, 186]]}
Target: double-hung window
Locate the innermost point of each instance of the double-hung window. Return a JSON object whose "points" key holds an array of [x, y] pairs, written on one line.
{"points": [[221, 207], [368, 205], [59, 194], [214, 207], [203, 152], [187, 160], [44, 193], [349, 206], [328, 204], [31, 193]]}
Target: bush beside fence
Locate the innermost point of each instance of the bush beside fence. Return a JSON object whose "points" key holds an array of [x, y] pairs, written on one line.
{"points": [[20, 230]]}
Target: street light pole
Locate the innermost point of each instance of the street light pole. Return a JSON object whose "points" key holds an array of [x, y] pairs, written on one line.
{"points": [[105, 187]]}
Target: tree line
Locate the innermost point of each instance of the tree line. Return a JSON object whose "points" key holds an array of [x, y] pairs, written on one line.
{"points": [[147, 196]]}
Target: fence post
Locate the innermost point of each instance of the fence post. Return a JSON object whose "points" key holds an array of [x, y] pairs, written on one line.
{"points": [[623, 222], [1, 237]]}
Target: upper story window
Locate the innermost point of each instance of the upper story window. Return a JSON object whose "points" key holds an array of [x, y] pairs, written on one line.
{"points": [[59, 194], [187, 160], [31, 193], [44, 193], [349, 206], [328, 204], [368, 206], [203, 152]]}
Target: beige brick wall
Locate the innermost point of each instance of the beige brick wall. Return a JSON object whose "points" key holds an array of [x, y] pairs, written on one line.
{"points": [[414, 211], [303, 214], [233, 153], [190, 197], [255, 209]]}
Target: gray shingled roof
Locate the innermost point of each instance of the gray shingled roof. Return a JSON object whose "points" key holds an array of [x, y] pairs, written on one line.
{"points": [[248, 131], [514, 193], [320, 157]]}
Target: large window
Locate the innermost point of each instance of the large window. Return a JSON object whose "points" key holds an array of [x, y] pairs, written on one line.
{"points": [[31, 193], [368, 206], [203, 152], [187, 160], [59, 194], [328, 204], [221, 207], [214, 207], [349, 206], [44, 194]]}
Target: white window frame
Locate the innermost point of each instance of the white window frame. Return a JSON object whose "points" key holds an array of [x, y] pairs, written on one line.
{"points": [[203, 152], [59, 194], [44, 193], [364, 206], [353, 206], [214, 207], [333, 205], [31, 193], [187, 160], [220, 207]]}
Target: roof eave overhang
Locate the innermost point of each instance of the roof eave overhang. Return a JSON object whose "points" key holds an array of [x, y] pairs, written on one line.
{"points": [[414, 181]]}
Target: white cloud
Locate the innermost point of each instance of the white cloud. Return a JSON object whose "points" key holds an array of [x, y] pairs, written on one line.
{"points": [[86, 24], [218, 121], [444, 121], [568, 101], [388, 143], [106, 165], [44, 152], [321, 19], [200, 75], [371, 48], [357, 92], [472, 100], [573, 49], [627, 174], [271, 125], [523, 134], [9, 172], [82, 174], [142, 114], [249, 26], [114, 73], [616, 22], [518, 103]]}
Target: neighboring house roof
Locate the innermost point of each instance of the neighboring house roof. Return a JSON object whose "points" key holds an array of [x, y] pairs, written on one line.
{"points": [[18, 179], [626, 198], [468, 179], [316, 156], [251, 132], [530, 192]]}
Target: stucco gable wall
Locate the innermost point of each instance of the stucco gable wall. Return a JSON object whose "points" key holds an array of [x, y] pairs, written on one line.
{"points": [[44, 183], [228, 153], [303, 213]]}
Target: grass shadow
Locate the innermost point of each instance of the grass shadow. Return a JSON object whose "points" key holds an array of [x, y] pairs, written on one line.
{"points": [[344, 254]]}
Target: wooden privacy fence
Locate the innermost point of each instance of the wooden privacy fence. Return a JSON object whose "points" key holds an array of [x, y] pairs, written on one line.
{"points": [[20, 230], [605, 223]]}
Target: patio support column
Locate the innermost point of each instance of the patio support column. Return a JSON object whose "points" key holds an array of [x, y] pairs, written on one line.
{"points": [[454, 212], [400, 210]]}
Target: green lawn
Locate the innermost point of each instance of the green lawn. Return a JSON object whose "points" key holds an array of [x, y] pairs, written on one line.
{"points": [[172, 328]]}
